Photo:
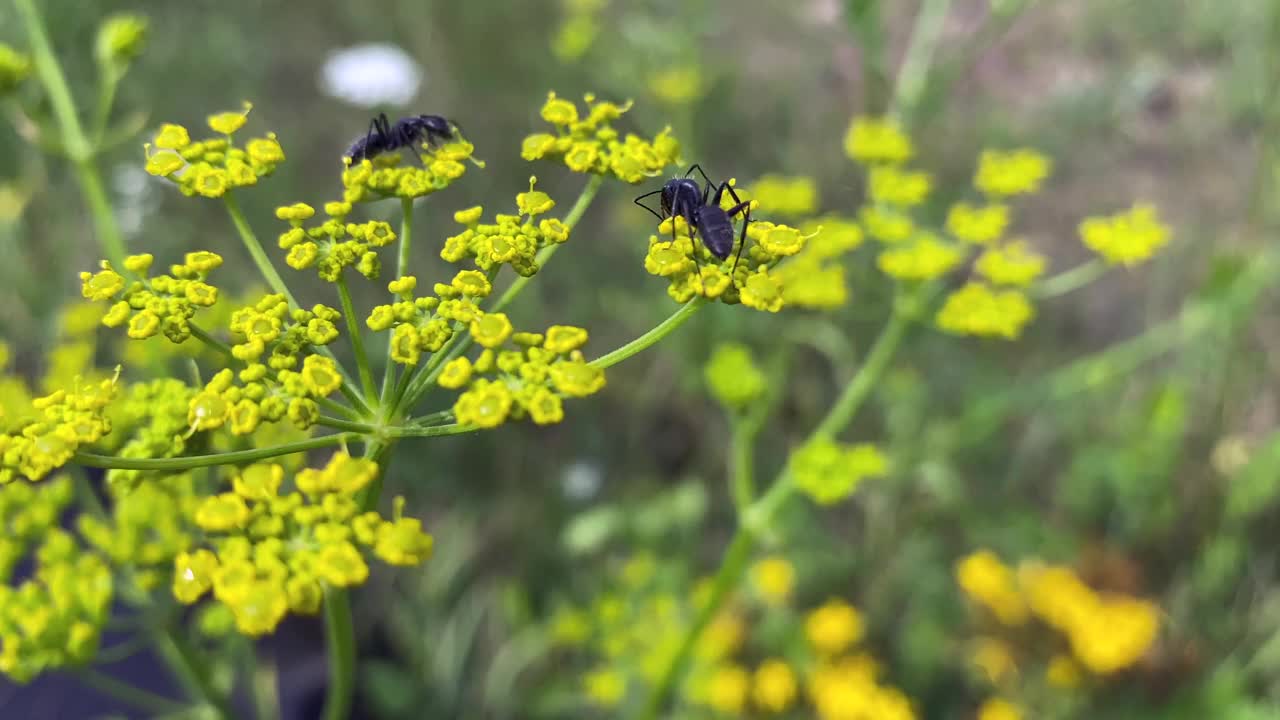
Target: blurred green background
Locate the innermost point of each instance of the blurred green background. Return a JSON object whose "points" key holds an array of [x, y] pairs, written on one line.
{"points": [[1130, 432]]}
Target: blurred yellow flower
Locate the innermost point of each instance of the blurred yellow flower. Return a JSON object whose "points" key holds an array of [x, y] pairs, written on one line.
{"points": [[987, 580], [877, 140], [995, 658], [999, 709], [727, 689], [833, 627], [1063, 672], [774, 686], [1126, 238], [605, 686], [774, 578], [677, 85], [1014, 172]]}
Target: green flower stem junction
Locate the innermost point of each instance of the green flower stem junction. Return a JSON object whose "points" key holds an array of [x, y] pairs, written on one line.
{"points": [[755, 518]]}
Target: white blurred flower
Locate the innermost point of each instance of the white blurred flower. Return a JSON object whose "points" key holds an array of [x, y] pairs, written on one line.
{"points": [[134, 196], [581, 480], [371, 75]]}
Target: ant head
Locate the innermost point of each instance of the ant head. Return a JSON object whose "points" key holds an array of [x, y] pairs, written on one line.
{"points": [[437, 125], [680, 191]]}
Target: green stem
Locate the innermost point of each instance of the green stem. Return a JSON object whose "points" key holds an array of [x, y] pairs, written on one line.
{"points": [[214, 343], [876, 362], [868, 28], [77, 146], [742, 443], [110, 239], [262, 681], [662, 330], [135, 696], [402, 268], [571, 221], [432, 418], [250, 241], [357, 339], [109, 81], [256, 251], [432, 431], [55, 83], [350, 425], [1071, 280], [194, 677], [733, 565], [913, 74], [198, 461], [341, 638]]}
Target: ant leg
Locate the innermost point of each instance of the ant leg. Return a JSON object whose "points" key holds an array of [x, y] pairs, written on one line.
{"points": [[745, 208], [742, 205], [646, 207], [687, 213], [702, 173]]}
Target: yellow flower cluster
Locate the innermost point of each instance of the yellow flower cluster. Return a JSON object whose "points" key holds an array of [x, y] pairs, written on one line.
{"points": [[121, 39], [1126, 238], [268, 324], [54, 618], [155, 304], [148, 420], [634, 629], [150, 524], [978, 309], [872, 140], [995, 306], [272, 553], [841, 685], [334, 244], [578, 29], [56, 426], [774, 578], [733, 377], [384, 176], [999, 709], [814, 278], [1106, 632], [213, 166], [691, 269], [1012, 172], [829, 472], [591, 144], [678, 84], [1012, 263], [261, 396], [14, 68], [519, 374], [984, 578], [784, 196], [510, 239], [925, 257], [425, 324]]}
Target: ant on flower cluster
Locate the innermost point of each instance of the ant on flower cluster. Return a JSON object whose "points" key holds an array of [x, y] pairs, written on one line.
{"points": [[679, 197], [383, 137], [701, 210]]}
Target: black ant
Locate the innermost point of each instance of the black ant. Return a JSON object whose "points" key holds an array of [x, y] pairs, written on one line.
{"points": [[681, 197], [384, 137]]}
